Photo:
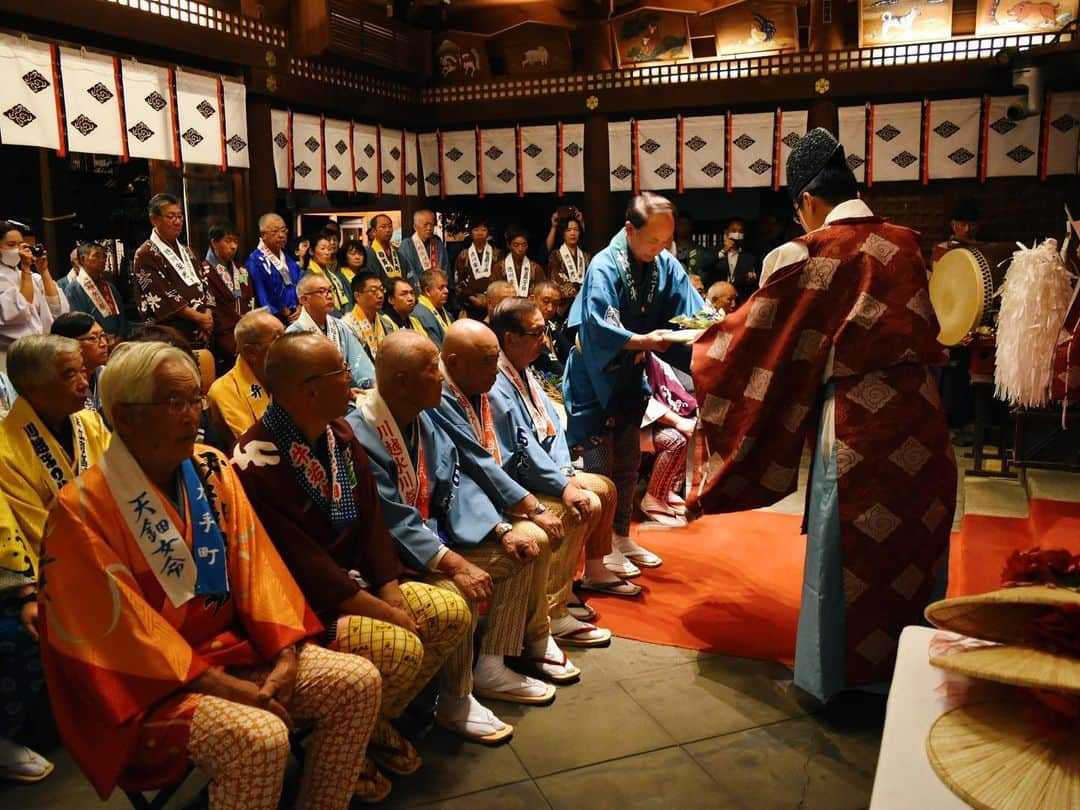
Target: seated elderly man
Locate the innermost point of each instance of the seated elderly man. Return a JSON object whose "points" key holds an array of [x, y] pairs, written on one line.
{"points": [[171, 629], [446, 526], [401, 297], [316, 304], [533, 450], [431, 309], [470, 365], [723, 295], [94, 345], [497, 291], [239, 398], [48, 438], [90, 291], [311, 485], [364, 321]]}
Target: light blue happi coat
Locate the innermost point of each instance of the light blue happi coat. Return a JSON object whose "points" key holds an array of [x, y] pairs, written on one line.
{"points": [[615, 303], [360, 366]]}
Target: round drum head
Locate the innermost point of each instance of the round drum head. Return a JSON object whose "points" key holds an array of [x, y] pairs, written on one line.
{"points": [[956, 292]]}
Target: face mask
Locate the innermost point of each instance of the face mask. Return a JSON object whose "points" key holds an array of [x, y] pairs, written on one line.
{"points": [[10, 257], [736, 237]]}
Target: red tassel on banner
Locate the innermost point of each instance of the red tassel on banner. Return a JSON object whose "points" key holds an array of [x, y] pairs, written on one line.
{"points": [[869, 145], [176, 126], [479, 164], [402, 167], [727, 154], [634, 156], [1044, 137], [352, 157], [559, 159], [60, 133], [984, 138], [442, 166], [520, 160], [378, 161], [679, 133], [777, 135], [124, 155], [221, 118], [926, 143]]}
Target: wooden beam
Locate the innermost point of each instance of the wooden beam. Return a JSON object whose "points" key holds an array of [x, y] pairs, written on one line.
{"points": [[309, 27]]}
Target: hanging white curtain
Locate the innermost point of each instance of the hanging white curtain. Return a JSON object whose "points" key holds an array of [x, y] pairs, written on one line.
{"points": [[702, 148], [91, 103], [279, 126], [459, 161], [365, 149], [338, 155], [656, 154], [1063, 134], [236, 130], [538, 159], [1012, 147], [497, 152], [429, 157], [307, 148], [28, 94], [573, 158], [896, 142], [752, 149], [853, 138], [199, 119], [953, 140], [619, 163], [412, 165], [393, 159], [148, 110], [792, 128]]}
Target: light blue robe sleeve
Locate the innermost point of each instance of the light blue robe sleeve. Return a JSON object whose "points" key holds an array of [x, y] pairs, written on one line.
{"points": [[596, 313], [558, 450], [524, 458], [476, 462], [360, 365], [410, 262]]}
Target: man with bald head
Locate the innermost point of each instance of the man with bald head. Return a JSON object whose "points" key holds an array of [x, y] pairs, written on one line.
{"points": [[239, 397], [470, 366], [316, 303], [382, 257], [272, 271], [311, 485], [497, 292], [445, 525], [424, 250], [723, 295]]}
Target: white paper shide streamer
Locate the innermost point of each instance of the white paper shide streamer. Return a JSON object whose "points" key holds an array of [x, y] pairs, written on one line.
{"points": [[1034, 300]]}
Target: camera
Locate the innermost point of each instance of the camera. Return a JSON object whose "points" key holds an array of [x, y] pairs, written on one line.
{"points": [[37, 251]]}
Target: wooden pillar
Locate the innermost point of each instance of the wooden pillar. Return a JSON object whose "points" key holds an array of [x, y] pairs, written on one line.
{"points": [[826, 25], [600, 214], [823, 113], [57, 231], [262, 183]]}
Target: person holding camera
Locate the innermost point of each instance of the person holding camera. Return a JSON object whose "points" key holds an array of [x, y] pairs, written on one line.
{"points": [[29, 298]]}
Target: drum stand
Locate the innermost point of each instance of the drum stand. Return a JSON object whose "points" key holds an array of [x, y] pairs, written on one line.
{"points": [[995, 460]]}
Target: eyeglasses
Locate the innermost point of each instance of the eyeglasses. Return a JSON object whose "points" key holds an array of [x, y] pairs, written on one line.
{"points": [[100, 337], [320, 291], [176, 405], [173, 217], [534, 334], [337, 372]]}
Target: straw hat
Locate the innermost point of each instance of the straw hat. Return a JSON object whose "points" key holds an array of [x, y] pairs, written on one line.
{"points": [[995, 756], [1008, 617]]}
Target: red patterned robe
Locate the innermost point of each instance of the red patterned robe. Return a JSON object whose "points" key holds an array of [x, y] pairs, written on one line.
{"points": [[760, 380]]}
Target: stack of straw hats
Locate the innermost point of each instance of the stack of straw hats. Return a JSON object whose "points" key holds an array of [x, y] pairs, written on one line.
{"points": [[1022, 749]]}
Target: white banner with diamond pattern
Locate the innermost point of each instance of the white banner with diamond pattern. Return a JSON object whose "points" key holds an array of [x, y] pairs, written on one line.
{"points": [[1012, 147], [896, 142], [365, 146], [393, 159], [148, 114], [199, 118], [91, 103], [703, 151], [656, 154], [338, 155], [429, 160], [307, 152], [538, 159], [498, 157], [853, 138], [573, 158], [792, 128], [412, 165], [953, 141], [28, 109], [459, 162], [619, 163], [1063, 139], [234, 95], [752, 149], [279, 125]]}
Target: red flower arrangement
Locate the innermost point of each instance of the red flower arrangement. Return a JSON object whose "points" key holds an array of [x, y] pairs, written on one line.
{"points": [[1055, 567]]}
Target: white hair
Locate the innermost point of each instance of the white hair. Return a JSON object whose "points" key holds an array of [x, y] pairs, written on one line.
{"points": [[247, 330], [31, 361], [129, 375], [264, 221], [422, 212]]}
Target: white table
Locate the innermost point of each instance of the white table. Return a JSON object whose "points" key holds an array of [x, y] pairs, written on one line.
{"points": [[920, 694]]}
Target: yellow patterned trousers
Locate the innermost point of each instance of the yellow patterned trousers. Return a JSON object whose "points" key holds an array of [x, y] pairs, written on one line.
{"points": [[405, 660]]}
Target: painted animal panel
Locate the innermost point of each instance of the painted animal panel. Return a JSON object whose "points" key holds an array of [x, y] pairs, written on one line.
{"points": [[652, 36], [756, 27], [893, 22], [996, 17]]}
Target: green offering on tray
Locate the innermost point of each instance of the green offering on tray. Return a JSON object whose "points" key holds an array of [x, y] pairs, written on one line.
{"points": [[702, 319]]}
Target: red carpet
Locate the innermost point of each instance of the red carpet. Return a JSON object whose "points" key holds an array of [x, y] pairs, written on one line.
{"points": [[731, 583]]}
